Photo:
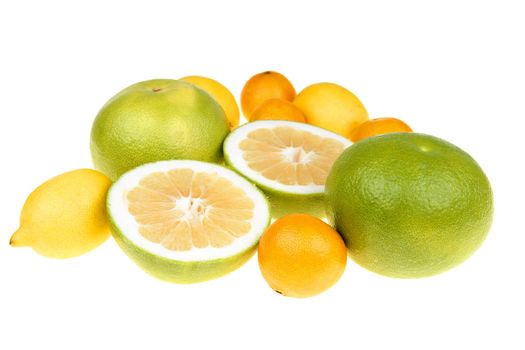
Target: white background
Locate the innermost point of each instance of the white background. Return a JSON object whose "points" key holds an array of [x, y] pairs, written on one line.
{"points": [[452, 69]]}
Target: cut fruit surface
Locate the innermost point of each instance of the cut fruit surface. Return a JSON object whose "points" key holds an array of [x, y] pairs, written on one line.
{"points": [[182, 209], [187, 211], [285, 158]]}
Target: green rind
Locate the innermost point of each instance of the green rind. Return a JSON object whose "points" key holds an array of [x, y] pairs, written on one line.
{"points": [[396, 218], [284, 203], [139, 126], [176, 271]]}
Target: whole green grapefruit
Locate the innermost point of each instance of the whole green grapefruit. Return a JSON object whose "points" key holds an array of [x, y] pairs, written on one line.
{"points": [[409, 205], [157, 120]]}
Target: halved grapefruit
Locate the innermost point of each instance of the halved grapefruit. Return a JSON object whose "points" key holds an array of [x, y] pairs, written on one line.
{"points": [[289, 161], [186, 221]]}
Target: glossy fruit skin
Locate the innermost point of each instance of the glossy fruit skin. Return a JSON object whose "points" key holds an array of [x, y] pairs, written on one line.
{"points": [[65, 216], [262, 87], [221, 94], [331, 106], [277, 109], [409, 205], [157, 120], [301, 256], [378, 126]]}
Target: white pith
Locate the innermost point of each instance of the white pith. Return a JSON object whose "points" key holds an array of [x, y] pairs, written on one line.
{"points": [[234, 154], [125, 222]]}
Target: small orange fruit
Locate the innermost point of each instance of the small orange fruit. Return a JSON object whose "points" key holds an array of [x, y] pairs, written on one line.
{"points": [[262, 87], [301, 256], [277, 109], [378, 126]]}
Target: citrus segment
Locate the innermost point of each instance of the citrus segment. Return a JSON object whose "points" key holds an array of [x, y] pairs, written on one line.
{"points": [[290, 156], [183, 212]]}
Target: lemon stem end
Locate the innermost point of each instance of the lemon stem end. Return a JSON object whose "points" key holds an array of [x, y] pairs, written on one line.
{"points": [[19, 238]]}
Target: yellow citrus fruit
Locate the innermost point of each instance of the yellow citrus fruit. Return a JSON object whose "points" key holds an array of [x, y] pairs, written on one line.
{"points": [[262, 87], [277, 109], [65, 216], [378, 126], [301, 256], [332, 107], [220, 93]]}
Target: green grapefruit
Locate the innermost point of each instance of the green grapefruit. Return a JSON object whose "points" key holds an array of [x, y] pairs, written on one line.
{"points": [[409, 205], [186, 221], [157, 120]]}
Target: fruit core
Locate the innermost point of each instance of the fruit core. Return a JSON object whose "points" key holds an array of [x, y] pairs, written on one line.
{"points": [[182, 209], [290, 156]]}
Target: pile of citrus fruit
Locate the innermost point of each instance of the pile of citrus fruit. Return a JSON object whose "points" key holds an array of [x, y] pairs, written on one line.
{"points": [[189, 194]]}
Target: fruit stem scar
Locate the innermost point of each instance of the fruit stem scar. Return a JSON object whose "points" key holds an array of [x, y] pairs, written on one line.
{"points": [[156, 89]]}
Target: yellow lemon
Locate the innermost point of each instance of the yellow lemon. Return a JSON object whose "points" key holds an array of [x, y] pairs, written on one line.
{"points": [[332, 107], [221, 94], [65, 216]]}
